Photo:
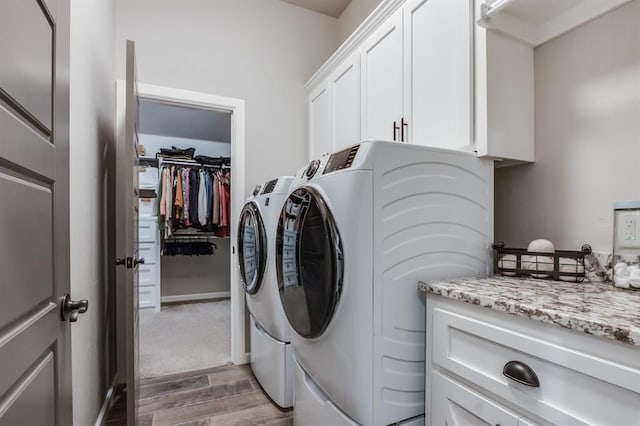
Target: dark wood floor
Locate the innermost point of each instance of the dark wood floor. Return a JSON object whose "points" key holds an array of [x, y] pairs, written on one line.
{"points": [[228, 396]]}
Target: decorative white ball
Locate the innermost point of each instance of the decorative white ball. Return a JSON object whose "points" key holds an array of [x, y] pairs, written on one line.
{"points": [[571, 266], [539, 263], [541, 246], [508, 261]]}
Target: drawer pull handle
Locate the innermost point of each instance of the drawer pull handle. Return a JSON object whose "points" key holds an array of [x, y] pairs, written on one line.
{"points": [[521, 373]]}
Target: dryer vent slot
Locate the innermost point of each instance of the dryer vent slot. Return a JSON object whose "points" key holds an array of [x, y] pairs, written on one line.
{"points": [[269, 186]]}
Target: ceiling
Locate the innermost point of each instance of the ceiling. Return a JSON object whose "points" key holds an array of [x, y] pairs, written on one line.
{"points": [[327, 7], [164, 119]]}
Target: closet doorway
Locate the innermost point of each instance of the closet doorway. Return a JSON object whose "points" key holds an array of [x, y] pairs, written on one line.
{"points": [[191, 307]]}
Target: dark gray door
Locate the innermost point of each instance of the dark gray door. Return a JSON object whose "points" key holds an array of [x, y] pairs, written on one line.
{"points": [[127, 232], [35, 359]]}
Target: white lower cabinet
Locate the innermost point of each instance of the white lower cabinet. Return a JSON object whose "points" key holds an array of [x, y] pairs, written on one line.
{"points": [[456, 405], [581, 379]]}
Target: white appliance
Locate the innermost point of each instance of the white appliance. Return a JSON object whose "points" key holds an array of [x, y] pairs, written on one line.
{"points": [[271, 354], [354, 238]]}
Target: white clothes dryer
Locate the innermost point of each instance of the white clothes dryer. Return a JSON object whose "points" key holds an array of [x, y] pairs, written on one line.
{"points": [[353, 241], [271, 353]]}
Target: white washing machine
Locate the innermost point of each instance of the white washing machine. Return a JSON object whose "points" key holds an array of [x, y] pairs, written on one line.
{"points": [[271, 353], [353, 241]]}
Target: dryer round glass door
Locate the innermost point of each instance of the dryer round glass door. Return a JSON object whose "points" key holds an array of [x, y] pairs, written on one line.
{"points": [[309, 262], [252, 248]]}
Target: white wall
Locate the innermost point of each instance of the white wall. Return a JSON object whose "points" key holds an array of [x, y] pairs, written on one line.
{"points": [[261, 51], [587, 89], [153, 143], [353, 16], [92, 92], [185, 275]]}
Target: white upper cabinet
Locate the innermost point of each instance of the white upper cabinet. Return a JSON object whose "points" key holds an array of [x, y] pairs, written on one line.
{"points": [[320, 140], [452, 74], [504, 98], [405, 75], [344, 85], [438, 72], [382, 81]]}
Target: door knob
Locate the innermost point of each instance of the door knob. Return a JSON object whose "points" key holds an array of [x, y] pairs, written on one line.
{"points": [[137, 262], [127, 262], [70, 309]]}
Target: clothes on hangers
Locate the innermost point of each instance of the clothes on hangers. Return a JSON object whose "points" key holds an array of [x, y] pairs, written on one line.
{"points": [[194, 197], [188, 248], [194, 185]]}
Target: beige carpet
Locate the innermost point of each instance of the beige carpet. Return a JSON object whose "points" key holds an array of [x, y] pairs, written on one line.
{"points": [[185, 337]]}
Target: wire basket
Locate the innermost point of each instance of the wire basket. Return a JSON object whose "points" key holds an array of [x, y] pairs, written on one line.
{"points": [[561, 265]]}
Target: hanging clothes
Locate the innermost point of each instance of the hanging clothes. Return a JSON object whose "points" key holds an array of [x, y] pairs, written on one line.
{"points": [[194, 197], [189, 248], [215, 217], [163, 192], [194, 186], [202, 199], [179, 203]]}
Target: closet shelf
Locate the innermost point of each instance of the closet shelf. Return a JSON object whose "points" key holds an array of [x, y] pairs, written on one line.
{"points": [[221, 162], [195, 236], [538, 21]]}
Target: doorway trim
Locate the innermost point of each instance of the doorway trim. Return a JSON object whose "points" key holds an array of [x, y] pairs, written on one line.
{"points": [[237, 109]]}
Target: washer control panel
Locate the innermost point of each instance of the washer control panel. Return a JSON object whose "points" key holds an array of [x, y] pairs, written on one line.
{"points": [[341, 159], [312, 168]]}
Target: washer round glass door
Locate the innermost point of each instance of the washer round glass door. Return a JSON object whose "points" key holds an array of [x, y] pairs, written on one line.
{"points": [[252, 248], [309, 262]]}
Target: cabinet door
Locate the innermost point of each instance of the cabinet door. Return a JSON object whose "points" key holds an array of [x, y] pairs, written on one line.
{"points": [[320, 125], [382, 80], [437, 72], [456, 405], [345, 103]]}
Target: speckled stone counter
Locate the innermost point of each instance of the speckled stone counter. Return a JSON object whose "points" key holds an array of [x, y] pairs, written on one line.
{"points": [[594, 308]]}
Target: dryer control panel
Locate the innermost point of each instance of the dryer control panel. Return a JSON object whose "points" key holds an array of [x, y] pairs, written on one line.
{"points": [[341, 159]]}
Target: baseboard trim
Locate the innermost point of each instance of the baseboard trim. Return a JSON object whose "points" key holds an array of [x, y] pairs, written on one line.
{"points": [[245, 359], [107, 402], [196, 296]]}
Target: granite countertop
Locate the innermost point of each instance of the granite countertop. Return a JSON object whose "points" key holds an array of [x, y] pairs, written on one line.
{"points": [[593, 308]]}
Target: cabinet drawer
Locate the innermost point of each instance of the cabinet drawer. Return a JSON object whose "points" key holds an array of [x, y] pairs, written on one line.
{"points": [[576, 388], [456, 405], [148, 206], [148, 296], [148, 275], [148, 231], [150, 252], [148, 177]]}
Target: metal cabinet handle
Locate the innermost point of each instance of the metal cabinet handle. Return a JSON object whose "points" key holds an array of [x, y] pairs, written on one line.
{"points": [[395, 131], [403, 124], [520, 372], [137, 262]]}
